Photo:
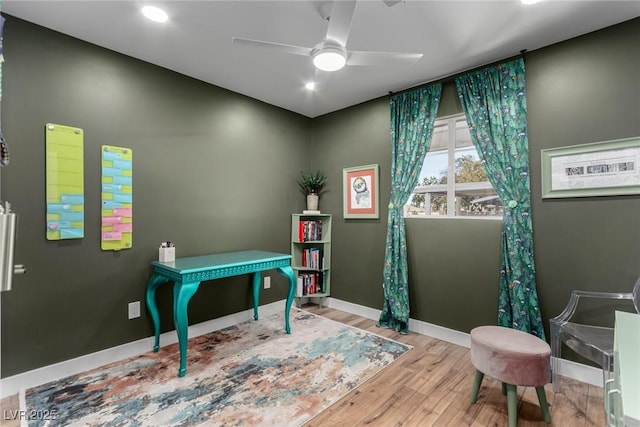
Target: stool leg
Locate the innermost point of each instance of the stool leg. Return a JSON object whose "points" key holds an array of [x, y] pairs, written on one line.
{"points": [[477, 381], [512, 404], [504, 389], [542, 398]]}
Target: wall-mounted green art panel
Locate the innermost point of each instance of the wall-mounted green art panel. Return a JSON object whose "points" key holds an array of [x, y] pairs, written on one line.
{"points": [[65, 182], [117, 198]]}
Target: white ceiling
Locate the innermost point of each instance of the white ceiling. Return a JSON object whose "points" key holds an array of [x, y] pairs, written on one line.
{"points": [[196, 41]]}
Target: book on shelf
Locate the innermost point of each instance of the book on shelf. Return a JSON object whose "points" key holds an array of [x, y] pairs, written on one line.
{"points": [[312, 258], [311, 283], [310, 212], [309, 230], [300, 286]]}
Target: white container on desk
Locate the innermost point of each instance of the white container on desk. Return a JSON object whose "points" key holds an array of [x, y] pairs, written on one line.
{"points": [[167, 254]]}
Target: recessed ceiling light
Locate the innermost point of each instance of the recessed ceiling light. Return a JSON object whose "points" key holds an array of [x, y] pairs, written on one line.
{"points": [[155, 14], [310, 85]]}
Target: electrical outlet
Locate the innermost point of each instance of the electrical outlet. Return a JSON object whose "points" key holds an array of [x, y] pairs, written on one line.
{"points": [[267, 282], [134, 310]]}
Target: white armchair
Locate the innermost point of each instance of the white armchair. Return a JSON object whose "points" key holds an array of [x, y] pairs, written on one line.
{"points": [[590, 341]]}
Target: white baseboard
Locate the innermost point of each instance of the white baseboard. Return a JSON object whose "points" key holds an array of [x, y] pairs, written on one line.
{"points": [[349, 307], [12, 385], [417, 326], [574, 370]]}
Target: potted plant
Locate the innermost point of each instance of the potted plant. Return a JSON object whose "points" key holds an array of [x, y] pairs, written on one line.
{"points": [[312, 185]]}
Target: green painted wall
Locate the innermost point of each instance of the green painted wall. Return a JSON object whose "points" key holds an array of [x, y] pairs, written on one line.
{"points": [[579, 91], [214, 171], [584, 90], [354, 137]]}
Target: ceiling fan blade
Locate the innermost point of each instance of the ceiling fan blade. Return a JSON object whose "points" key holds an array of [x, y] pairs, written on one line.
{"points": [[284, 48], [392, 2], [382, 58], [340, 21]]}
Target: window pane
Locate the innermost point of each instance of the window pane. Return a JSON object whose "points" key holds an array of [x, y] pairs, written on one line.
{"points": [[463, 137], [483, 202], [434, 169], [422, 204], [440, 137], [436, 203], [452, 149], [468, 166], [415, 205]]}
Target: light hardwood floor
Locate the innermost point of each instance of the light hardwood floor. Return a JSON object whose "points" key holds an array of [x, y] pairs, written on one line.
{"points": [[430, 386]]}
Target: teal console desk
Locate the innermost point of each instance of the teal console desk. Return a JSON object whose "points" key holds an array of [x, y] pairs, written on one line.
{"points": [[187, 273]]}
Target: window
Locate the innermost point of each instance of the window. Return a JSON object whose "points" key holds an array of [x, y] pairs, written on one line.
{"points": [[452, 181]]}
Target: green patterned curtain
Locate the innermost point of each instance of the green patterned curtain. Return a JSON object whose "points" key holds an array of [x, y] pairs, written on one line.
{"points": [[495, 104], [412, 116]]}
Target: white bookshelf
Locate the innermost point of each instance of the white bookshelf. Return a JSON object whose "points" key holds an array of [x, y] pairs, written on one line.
{"points": [[311, 256]]}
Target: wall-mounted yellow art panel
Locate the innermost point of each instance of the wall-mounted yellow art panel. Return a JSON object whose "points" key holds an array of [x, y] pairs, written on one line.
{"points": [[65, 182], [117, 198]]}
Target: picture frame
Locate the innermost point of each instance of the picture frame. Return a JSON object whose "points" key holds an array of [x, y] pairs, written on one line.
{"points": [[360, 192], [608, 168]]}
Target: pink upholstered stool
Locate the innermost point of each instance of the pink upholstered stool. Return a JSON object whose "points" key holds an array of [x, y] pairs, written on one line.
{"points": [[514, 357]]}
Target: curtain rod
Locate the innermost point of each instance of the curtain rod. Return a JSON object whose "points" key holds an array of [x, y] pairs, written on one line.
{"points": [[452, 77]]}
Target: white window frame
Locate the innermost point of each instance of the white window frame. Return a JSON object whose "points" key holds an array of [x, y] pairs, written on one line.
{"points": [[451, 187]]}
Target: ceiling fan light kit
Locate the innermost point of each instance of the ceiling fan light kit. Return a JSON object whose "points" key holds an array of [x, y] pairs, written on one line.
{"points": [[329, 58], [331, 54]]}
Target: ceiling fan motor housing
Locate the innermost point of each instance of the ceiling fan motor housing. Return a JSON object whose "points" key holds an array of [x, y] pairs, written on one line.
{"points": [[329, 56]]}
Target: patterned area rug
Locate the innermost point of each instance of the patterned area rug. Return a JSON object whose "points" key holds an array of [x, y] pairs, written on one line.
{"points": [[251, 374]]}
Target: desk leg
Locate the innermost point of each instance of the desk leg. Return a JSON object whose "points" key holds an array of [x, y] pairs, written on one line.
{"points": [[257, 277], [288, 273], [152, 285], [182, 293]]}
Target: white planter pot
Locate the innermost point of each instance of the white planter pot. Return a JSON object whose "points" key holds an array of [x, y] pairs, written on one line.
{"points": [[312, 202]]}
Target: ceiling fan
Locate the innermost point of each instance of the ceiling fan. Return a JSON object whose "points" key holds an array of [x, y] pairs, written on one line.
{"points": [[331, 53]]}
